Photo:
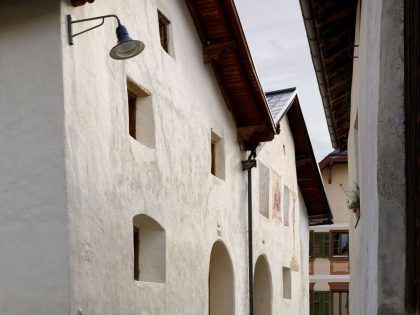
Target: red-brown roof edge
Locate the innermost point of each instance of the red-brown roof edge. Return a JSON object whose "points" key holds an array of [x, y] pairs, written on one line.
{"points": [[308, 175], [225, 48]]}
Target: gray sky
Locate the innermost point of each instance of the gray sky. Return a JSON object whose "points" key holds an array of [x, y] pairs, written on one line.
{"points": [[276, 37]]}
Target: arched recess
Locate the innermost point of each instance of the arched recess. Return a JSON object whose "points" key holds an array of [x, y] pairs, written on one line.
{"points": [[221, 281], [149, 244], [263, 292]]}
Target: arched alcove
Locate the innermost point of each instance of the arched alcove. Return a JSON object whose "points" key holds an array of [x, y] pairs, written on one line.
{"points": [[221, 281], [149, 244], [263, 292]]}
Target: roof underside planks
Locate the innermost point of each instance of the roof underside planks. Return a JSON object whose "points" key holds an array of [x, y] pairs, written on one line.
{"points": [[226, 49], [330, 27]]}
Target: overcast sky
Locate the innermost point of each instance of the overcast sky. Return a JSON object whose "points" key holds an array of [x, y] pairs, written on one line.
{"points": [[276, 37]]}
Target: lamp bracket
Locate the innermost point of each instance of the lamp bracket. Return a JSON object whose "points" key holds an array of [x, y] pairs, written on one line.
{"points": [[70, 23]]}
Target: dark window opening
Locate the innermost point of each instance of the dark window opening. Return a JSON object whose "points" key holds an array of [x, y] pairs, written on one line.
{"points": [[136, 244], [164, 31], [340, 243], [132, 108], [213, 157]]}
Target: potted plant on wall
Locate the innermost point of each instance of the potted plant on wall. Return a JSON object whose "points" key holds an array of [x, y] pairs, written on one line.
{"points": [[353, 201]]}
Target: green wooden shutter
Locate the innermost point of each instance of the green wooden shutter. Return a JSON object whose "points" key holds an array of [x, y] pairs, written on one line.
{"points": [[326, 298], [326, 244], [316, 303], [317, 241]]}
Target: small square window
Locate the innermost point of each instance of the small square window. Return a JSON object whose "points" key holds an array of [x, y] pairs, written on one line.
{"points": [[141, 124], [287, 283], [164, 31], [217, 152]]}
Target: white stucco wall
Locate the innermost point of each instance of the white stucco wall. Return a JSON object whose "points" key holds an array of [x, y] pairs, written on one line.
{"points": [[285, 246], [74, 179], [34, 272], [376, 161]]}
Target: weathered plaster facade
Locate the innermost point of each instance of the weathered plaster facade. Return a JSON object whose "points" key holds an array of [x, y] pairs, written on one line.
{"points": [[73, 179], [376, 160], [34, 276]]}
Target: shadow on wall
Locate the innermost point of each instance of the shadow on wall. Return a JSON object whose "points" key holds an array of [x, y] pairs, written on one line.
{"points": [[221, 281], [263, 292]]}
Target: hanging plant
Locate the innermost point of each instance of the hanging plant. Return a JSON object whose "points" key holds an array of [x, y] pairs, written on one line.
{"points": [[353, 198], [353, 201]]}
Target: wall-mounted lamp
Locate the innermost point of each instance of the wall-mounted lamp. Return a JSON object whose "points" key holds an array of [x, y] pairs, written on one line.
{"points": [[125, 48]]}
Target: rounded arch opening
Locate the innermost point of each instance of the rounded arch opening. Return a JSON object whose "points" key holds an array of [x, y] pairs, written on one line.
{"points": [[221, 281], [263, 291], [149, 243]]}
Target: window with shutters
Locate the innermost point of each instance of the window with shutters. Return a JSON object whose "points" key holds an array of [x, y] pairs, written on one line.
{"points": [[321, 301], [164, 31], [340, 243], [141, 125], [321, 244]]}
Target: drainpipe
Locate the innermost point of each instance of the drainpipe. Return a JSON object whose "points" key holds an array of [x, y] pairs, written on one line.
{"points": [[248, 165]]}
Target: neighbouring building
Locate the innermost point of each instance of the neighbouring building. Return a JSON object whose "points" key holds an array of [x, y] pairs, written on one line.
{"points": [[329, 271], [366, 56], [121, 182]]}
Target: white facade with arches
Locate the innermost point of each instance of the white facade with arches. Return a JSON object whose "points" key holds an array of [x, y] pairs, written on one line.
{"points": [[85, 202]]}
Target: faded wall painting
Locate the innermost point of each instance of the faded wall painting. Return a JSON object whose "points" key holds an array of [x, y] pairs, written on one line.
{"points": [[276, 196]]}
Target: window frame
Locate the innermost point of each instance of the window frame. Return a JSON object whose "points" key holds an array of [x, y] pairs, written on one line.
{"points": [[332, 250], [164, 23]]}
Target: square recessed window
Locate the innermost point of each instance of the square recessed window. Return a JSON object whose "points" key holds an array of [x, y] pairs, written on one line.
{"points": [[164, 31], [141, 124], [287, 283], [217, 152]]}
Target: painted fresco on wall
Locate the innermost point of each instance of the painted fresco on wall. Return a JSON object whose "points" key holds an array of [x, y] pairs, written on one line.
{"points": [[286, 205], [276, 196]]}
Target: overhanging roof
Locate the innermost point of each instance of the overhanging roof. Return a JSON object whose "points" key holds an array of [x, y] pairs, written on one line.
{"points": [[226, 49], [333, 158], [330, 28], [308, 176]]}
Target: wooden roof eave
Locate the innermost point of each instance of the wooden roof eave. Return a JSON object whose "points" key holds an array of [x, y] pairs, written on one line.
{"points": [[226, 49], [338, 137], [308, 175]]}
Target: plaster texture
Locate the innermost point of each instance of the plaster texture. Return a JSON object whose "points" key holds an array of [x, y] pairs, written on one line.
{"points": [[73, 178], [376, 161], [34, 267]]}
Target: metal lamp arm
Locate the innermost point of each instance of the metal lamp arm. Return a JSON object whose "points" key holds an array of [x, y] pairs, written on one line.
{"points": [[70, 22]]}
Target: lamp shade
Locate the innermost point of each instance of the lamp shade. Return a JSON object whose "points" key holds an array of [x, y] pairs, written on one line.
{"points": [[126, 47]]}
